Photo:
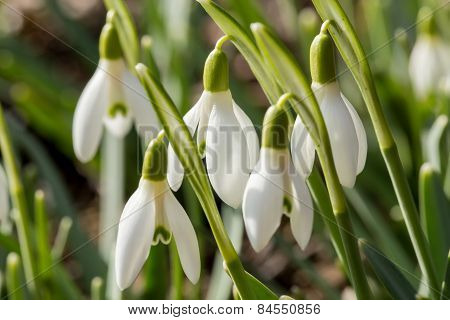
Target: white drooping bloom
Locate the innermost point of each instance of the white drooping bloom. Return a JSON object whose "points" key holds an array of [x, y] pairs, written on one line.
{"points": [[429, 61], [113, 97], [275, 188], [428, 64], [4, 198], [345, 129], [153, 214], [347, 136], [227, 137]]}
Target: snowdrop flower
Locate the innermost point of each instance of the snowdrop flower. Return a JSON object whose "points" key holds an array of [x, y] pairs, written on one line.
{"points": [[275, 188], [428, 63], [4, 198], [230, 144], [113, 97], [153, 215], [345, 129]]}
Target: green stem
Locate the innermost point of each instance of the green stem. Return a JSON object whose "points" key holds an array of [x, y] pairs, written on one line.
{"points": [[97, 289], [322, 200], [177, 273], [186, 150], [337, 197], [19, 204], [354, 56], [13, 283], [411, 217]]}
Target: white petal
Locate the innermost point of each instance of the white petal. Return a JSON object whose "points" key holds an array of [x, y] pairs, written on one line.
{"points": [[361, 134], [4, 198], [302, 149], [119, 126], [185, 238], [146, 122], [135, 235], [226, 154], [88, 116], [175, 170], [250, 134], [342, 133], [205, 106], [302, 215], [263, 200]]}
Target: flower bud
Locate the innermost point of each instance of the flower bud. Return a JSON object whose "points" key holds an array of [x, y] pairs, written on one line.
{"points": [[215, 75], [109, 41], [275, 128], [323, 69], [155, 160]]}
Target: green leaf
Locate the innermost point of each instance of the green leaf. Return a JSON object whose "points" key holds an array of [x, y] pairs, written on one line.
{"points": [[436, 148], [387, 272], [245, 44], [435, 214], [261, 291], [445, 293]]}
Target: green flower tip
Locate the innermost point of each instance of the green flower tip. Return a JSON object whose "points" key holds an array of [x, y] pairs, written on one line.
{"points": [[117, 108], [426, 21], [323, 69], [215, 74], [109, 41], [275, 128], [155, 160]]}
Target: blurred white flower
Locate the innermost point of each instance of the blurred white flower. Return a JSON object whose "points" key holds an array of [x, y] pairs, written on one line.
{"points": [[275, 188], [347, 136], [153, 214], [113, 97], [428, 64], [4, 196], [225, 135], [429, 61]]}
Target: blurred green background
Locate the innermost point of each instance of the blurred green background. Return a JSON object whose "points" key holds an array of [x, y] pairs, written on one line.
{"points": [[48, 51]]}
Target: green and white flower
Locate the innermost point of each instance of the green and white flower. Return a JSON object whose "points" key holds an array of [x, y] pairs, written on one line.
{"points": [[345, 129], [275, 188], [225, 135], [153, 215], [113, 97]]}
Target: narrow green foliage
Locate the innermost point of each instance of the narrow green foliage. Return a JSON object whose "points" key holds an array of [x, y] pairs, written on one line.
{"points": [[14, 284], [435, 214], [388, 273]]}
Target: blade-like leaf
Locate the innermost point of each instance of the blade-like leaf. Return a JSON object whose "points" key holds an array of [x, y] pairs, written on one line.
{"points": [[435, 214], [445, 293], [387, 272], [436, 147], [261, 291]]}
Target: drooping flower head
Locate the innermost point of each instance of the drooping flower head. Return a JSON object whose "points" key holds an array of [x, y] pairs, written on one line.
{"points": [[153, 215], [113, 97], [275, 188], [345, 129], [225, 134], [429, 63]]}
